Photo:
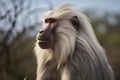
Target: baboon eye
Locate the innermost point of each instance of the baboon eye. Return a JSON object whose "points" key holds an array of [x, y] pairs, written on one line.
{"points": [[75, 22], [50, 20]]}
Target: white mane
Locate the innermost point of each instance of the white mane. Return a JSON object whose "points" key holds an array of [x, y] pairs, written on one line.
{"points": [[69, 40]]}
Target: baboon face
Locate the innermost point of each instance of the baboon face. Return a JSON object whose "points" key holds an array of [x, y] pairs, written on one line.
{"points": [[52, 32], [46, 36]]}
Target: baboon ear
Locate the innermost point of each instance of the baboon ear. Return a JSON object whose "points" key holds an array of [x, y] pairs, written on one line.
{"points": [[75, 22]]}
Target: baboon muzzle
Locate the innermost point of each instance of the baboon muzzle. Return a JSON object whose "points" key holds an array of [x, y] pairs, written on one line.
{"points": [[45, 39]]}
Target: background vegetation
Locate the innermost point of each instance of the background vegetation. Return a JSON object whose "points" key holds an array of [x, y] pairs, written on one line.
{"points": [[17, 38]]}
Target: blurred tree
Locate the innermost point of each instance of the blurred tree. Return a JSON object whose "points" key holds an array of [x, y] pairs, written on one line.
{"points": [[10, 17], [12, 32]]}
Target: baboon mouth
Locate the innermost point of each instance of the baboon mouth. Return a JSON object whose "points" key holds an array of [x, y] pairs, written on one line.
{"points": [[44, 44], [43, 40]]}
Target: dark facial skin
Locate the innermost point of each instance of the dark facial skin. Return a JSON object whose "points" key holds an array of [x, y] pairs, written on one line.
{"points": [[45, 37]]}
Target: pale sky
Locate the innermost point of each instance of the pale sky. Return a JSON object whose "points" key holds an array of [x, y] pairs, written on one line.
{"points": [[99, 5], [109, 5]]}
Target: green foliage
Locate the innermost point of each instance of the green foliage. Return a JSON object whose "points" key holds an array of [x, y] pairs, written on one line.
{"points": [[22, 59]]}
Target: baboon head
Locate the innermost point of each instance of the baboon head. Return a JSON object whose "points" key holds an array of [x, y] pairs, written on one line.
{"points": [[58, 29]]}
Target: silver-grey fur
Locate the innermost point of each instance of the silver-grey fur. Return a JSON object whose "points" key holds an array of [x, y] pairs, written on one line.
{"points": [[76, 55]]}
